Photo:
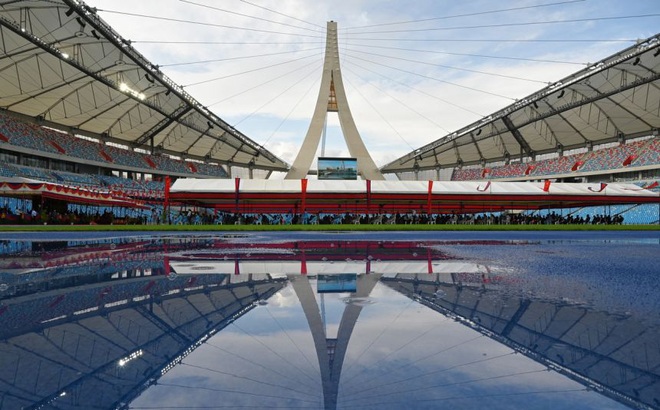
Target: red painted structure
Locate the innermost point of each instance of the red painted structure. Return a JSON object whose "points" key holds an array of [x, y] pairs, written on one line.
{"points": [[299, 196]]}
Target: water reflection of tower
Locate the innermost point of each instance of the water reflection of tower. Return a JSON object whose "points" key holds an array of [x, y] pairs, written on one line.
{"points": [[331, 352]]}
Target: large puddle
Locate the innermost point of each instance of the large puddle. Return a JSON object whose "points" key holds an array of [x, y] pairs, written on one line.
{"points": [[325, 321]]}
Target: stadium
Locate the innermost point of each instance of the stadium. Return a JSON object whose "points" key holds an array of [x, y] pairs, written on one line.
{"points": [[93, 131]]}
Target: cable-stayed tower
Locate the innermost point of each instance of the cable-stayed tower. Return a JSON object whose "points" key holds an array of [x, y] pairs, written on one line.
{"points": [[332, 98]]}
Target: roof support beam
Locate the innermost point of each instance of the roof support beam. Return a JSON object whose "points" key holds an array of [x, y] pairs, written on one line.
{"points": [[198, 138], [47, 90], [474, 141], [164, 123], [518, 136], [459, 161], [102, 112], [599, 96], [65, 96]]}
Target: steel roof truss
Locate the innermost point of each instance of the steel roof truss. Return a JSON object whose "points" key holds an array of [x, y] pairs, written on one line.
{"points": [[217, 145], [163, 124], [67, 95], [98, 114], [524, 146], [474, 141]]}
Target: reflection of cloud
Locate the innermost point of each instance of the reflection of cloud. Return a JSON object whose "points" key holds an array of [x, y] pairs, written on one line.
{"points": [[284, 298]]}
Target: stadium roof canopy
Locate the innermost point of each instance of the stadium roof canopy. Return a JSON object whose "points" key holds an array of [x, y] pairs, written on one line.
{"points": [[63, 65], [617, 97]]}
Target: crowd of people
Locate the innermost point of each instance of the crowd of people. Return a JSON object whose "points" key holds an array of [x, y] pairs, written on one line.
{"points": [[195, 217], [95, 216], [79, 215]]}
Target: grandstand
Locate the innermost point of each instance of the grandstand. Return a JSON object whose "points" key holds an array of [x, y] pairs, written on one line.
{"points": [[610, 164], [67, 151]]}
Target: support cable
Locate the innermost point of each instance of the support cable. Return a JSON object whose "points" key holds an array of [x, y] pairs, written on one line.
{"points": [[399, 101], [424, 358], [201, 23], [393, 352], [248, 71], [297, 81], [463, 382], [385, 120], [291, 340], [255, 363], [407, 379], [284, 359], [436, 79], [523, 24], [357, 360], [247, 15], [239, 58], [250, 379], [239, 43], [311, 87], [479, 13], [534, 60], [510, 77], [476, 396], [261, 84], [499, 40], [480, 115], [183, 386], [282, 14]]}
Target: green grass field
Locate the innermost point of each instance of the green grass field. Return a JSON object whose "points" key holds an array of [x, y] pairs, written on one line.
{"points": [[320, 228]]}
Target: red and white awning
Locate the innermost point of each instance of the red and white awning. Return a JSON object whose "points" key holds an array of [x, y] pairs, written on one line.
{"points": [[401, 196], [17, 187]]}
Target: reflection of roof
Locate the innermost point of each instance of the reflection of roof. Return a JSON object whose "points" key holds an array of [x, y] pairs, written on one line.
{"points": [[280, 269], [81, 258], [101, 346], [606, 352], [65, 66], [617, 95]]}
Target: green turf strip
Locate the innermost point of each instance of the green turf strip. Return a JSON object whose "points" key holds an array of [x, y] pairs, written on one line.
{"points": [[321, 228]]}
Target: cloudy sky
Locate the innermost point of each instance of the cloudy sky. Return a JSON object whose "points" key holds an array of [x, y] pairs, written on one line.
{"points": [[414, 71]]}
